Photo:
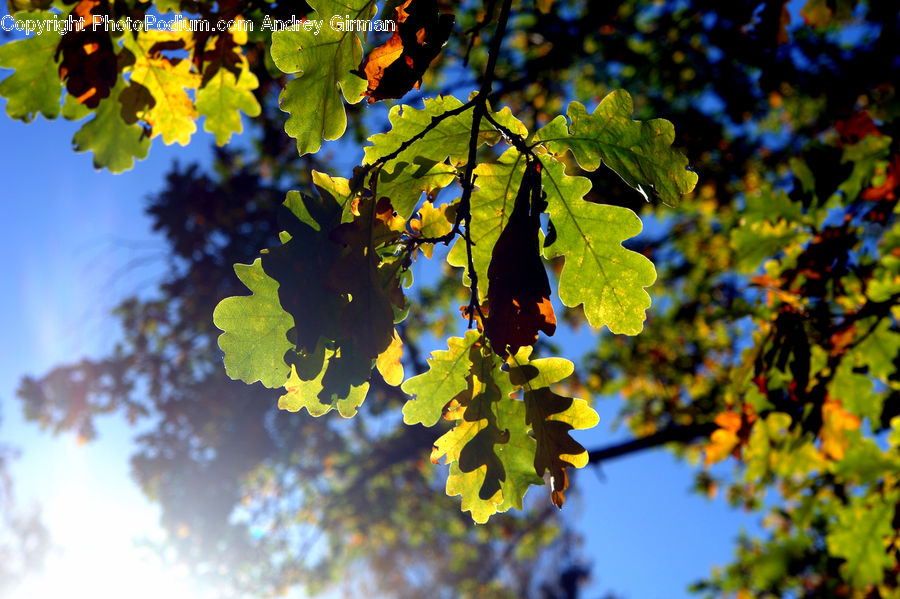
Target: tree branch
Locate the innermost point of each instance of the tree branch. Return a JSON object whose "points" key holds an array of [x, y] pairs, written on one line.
{"points": [[464, 214], [673, 434], [435, 121]]}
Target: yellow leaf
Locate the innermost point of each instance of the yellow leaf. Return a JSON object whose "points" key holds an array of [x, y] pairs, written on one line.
{"points": [[835, 422], [238, 31], [723, 440], [172, 112], [388, 363]]}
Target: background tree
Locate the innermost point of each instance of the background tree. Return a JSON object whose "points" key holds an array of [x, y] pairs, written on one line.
{"points": [[24, 541], [773, 338]]}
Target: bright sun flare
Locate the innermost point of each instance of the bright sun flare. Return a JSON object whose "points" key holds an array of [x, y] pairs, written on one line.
{"points": [[94, 519]]}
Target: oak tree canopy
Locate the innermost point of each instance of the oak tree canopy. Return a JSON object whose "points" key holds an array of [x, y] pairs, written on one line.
{"points": [[754, 322]]}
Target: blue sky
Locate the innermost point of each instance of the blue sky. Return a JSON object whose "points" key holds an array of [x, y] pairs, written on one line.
{"points": [[78, 242]]}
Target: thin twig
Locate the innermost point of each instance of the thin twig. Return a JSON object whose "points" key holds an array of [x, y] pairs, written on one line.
{"points": [[464, 213], [435, 121], [476, 30]]}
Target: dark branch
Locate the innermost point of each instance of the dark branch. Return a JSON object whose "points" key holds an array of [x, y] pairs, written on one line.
{"points": [[512, 138], [673, 434], [464, 214], [435, 121]]}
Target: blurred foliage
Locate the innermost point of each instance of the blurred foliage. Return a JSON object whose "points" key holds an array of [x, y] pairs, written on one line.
{"points": [[24, 540]]}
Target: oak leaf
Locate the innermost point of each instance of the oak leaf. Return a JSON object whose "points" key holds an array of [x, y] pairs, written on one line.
{"points": [[88, 64], [519, 292], [33, 88], [168, 80], [551, 417], [397, 66], [323, 62], [836, 421]]}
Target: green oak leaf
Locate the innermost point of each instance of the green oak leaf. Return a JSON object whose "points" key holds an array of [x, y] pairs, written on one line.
{"points": [[759, 454], [445, 378], [450, 138], [518, 453], [492, 204], [224, 97], [34, 88], [859, 537], [255, 330], [73, 110], [758, 240], [864, 462], [639, 151], [878, 349], [507, 119], [513, 449], [115, 143], [323, 62], [607, 278], [856, 392]]}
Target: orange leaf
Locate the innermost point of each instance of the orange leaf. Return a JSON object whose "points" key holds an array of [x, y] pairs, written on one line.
{"points": [[723, 440], [397, 66], [836, 421], [887, 190], [88, 64]]}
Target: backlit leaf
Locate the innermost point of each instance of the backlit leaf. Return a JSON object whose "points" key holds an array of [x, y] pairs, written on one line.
{"points": [[168, 80], [34, 87], [450, 138], [519, 296], [860, 535], [222, 99], [388, 362], [322, 61], [497, 184], [406, 184], [551, 417], [445, 378], [88, 64], [607, 278], [396, 66], [308, 394], [490, 451], [639, 151], [255, 328], [114, 142]]}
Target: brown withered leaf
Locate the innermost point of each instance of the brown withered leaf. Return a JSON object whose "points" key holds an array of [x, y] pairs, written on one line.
{"points": [[88, 64], [555, 448], [397, 66], [518, 287]]}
